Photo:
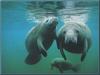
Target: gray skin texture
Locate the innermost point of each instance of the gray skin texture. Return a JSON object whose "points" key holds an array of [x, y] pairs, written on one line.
{"points": [[63, 65], [39, 40], [75, 38]]}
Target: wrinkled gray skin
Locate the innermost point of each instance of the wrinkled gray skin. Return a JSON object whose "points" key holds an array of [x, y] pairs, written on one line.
{"points": [[63, 65], [39, 40], [75, 38]]}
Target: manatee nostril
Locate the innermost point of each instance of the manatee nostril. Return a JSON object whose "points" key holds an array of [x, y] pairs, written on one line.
{"points": [[64, 32], [47, 20], [76, 31]]}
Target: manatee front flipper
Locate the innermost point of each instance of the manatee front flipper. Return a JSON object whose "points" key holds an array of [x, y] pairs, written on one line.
{"points": [[61, 50], [32, 58], [84, 51], [41, 47], [61, 71], [57, 42], [60, 68], [62, 53], [60, 46]]}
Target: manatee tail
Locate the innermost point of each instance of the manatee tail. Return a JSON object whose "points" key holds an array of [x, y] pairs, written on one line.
{"points": [[32, 59], [76, 67]]}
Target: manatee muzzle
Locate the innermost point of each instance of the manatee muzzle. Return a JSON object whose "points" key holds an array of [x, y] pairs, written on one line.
{"points": [[70, 36]]}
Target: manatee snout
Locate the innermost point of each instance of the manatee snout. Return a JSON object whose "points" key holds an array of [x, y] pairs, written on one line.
{"points": [[53, 21], [70, 35]]}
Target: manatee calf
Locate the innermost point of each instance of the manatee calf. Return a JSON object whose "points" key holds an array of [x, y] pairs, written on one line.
{"points": [[63, 65], [75, 38], [39, 40]]}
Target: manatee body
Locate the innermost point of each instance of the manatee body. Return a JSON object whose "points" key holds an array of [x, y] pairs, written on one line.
{"points": [[75, 38], [63, 65], [39, 40]]}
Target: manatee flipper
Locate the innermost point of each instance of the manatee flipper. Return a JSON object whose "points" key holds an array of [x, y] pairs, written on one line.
{"points": [[57, 42], [84, 51], [60, 69], [32, 58], [41, 47], [62, 52], [60, 46]]}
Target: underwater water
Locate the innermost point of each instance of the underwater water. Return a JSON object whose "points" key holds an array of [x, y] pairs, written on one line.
{"points": [[14, 30]]}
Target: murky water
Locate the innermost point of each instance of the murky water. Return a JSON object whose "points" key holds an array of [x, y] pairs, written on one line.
{"points": [[16, 22]]}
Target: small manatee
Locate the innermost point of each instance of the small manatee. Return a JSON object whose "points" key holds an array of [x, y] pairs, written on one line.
{"points": [[39, 40], [63, 65]]}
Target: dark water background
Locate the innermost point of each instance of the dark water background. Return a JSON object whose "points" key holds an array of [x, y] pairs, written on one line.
{"points": [[14, 29]]}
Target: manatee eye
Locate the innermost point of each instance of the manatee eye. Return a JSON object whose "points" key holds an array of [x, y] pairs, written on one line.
{"points": [[76, 31], [47, 20]]}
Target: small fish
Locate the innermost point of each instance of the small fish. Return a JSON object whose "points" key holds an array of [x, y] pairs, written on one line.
{"points": [[64, 65]]}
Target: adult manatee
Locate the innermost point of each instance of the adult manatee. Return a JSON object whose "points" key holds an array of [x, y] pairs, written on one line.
{"points": [[75, 38], [39, 40]]}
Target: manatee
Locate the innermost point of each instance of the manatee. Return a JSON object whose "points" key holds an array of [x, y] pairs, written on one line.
{"points": [[63, 65], [39, 40], [75, 38]]}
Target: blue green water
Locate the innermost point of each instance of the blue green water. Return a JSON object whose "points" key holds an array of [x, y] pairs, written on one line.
{"points": [[14, 29]]}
